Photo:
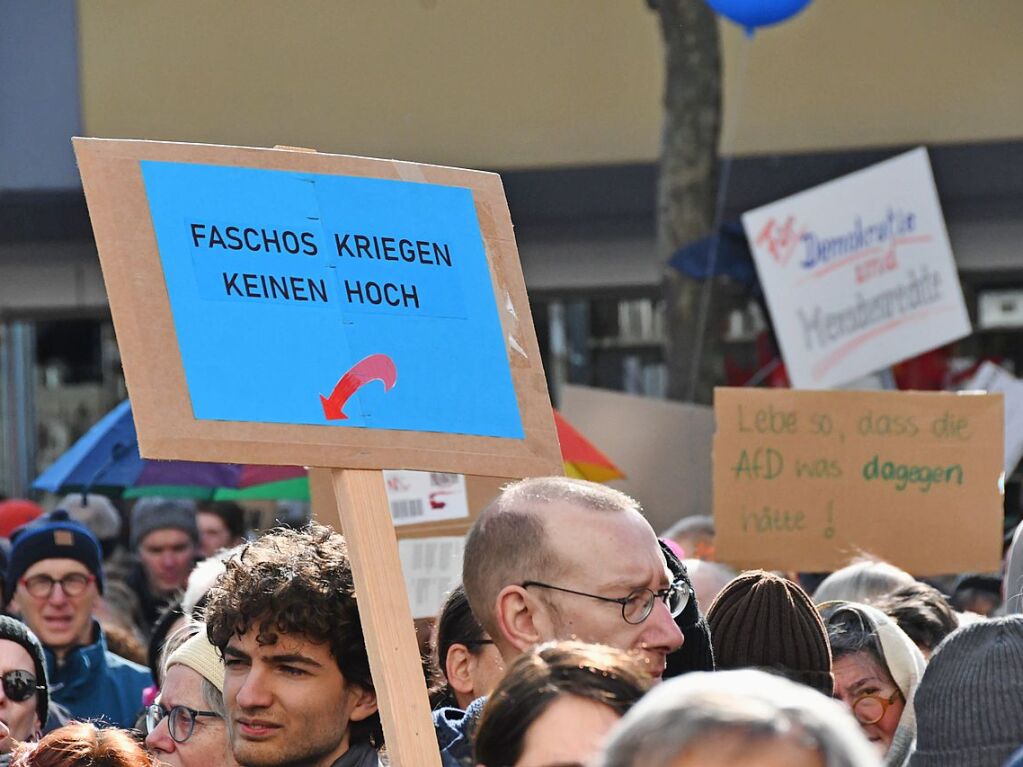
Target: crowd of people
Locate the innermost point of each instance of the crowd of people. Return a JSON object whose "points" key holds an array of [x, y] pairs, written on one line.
{"points": [[577, 638]]}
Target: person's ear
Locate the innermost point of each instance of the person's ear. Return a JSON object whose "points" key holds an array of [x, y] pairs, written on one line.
{"points": [[520, 618], [458, 668], [364, 705]]}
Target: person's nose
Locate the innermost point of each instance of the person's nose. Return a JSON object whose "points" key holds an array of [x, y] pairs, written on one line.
{"points": [[159, 739], [253, 692], [662, 633], [57, 595]]}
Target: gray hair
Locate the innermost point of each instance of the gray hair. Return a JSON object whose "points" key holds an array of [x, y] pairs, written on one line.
{"points": [[213, 698], [862, 581], [744, 708]]}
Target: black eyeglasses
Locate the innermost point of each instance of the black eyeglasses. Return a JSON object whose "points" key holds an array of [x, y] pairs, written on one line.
{"points": [[180, 720], [637, 606], [19, 685], [41, 586]]}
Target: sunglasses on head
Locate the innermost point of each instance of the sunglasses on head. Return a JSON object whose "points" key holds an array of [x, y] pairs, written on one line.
{"points": [[19, 685]]}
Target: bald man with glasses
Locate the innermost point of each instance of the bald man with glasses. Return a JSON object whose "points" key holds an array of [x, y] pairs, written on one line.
{"points": [[553, 558]]}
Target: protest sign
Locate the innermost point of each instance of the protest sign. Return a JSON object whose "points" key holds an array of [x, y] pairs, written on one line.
{"points": [[425, 496], [432, 568], [322, 310], [807, 480], [287, 307], [858, 272], [996, 379]]}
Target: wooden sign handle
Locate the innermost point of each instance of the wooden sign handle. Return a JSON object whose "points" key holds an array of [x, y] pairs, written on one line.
{"points": [[386, 618]]}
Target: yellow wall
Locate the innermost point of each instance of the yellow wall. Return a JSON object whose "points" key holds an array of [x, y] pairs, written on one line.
{"points": [[854, 73], [533, 83], [491, 83]]}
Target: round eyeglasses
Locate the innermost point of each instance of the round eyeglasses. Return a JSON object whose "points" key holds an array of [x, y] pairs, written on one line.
{"points": [[41, 586], [637, 606], [870, 709], [180, 720]]}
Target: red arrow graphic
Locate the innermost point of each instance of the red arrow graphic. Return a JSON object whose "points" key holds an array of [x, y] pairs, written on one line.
{"points": [[375, 367]]}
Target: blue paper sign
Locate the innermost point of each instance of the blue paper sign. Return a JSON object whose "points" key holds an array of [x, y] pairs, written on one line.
{"points": [[303, 298]]}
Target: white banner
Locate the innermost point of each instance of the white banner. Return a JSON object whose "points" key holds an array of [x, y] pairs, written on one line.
{"points": [[858, 272], [432, 567], [993, 379], [425, 496]]}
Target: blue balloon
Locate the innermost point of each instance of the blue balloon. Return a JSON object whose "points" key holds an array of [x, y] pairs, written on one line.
{"points": [[757, 13]]}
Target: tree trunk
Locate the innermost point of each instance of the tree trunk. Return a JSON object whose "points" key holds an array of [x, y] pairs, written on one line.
{"points": [[687, 192]]}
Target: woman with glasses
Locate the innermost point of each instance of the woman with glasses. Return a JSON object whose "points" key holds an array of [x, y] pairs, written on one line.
{"points": [[466, 664], [877, 669], [25, 706], [186, 725]]}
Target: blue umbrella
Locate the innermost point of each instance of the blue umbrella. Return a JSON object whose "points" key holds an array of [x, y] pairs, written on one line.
{"points": [[106, 460], [698, 261]]}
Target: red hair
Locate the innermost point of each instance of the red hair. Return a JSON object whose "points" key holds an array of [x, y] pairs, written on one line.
{"points": [[82, 744]]}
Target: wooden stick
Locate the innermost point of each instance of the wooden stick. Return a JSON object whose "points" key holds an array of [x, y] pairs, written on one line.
{"points": [[386, 618]]}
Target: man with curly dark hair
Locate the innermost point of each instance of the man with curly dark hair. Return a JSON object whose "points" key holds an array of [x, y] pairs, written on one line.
{"points": [[297, 684]]}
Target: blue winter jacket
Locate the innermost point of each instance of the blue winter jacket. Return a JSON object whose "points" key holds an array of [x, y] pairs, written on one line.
{"points": [[456, 733], [93, 683]]}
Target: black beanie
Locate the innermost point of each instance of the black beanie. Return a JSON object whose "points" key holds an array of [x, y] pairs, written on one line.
{"points": [[53, 536], [760, 620], [18, 632], [696, 652]]}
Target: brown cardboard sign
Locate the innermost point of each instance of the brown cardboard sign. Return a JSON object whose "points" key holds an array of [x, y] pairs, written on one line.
{"points": [[245, 258], [805, 480]]}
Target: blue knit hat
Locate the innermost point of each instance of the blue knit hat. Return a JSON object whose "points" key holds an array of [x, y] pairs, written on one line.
{"points": [[53, 536]]}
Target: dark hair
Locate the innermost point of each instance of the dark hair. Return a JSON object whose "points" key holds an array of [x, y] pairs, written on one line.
{"points": [[455, 625], [296, 582], [162, 627], [922, 612], [230, 513], [82, 744], [541, 676]]}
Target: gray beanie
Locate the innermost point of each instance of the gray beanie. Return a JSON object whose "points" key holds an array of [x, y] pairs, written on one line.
{"points": [[969, 705], [155, 513], [94, 511]]}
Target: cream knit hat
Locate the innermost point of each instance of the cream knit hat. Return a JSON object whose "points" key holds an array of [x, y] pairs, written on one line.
{"points": [[202, 657]]}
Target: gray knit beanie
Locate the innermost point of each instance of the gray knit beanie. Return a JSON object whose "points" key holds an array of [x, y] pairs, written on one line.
{"points": [[154, 513], [969, 706]]}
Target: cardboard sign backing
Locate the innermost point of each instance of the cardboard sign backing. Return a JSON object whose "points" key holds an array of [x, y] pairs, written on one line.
{"points": [[296, 308], [807, 480]]}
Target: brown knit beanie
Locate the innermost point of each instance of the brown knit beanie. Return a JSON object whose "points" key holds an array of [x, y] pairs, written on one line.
{"points": [[762, 621]]}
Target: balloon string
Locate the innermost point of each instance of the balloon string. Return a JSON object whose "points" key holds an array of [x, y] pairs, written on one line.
{"points": [[729, 131]]}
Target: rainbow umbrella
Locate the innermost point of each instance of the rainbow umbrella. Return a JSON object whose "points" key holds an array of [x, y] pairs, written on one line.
{"points": [[582, 459]]}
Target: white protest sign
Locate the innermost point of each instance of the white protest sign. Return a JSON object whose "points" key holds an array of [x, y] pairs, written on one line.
{"points": [[432, 567], [858, 272], [425, 496], [992, 378]]}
